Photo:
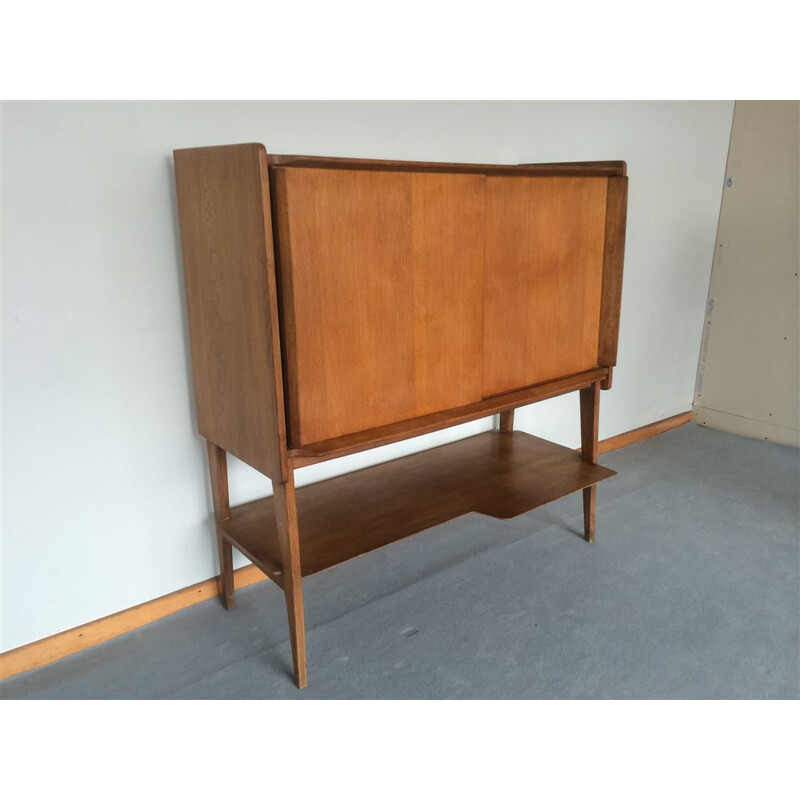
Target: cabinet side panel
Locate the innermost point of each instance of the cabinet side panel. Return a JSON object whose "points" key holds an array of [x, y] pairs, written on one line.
{"points": [[226, 237], [543, 278]]}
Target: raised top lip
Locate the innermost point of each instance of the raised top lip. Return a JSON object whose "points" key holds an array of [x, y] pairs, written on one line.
{"points": [[599, 168], [561, 168]]}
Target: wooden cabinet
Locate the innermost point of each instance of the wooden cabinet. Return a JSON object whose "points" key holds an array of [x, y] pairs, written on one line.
{"points": [[338, 304]]}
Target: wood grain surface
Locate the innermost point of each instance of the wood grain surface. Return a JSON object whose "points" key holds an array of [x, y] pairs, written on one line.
{"points": [[381, 281], [226, 234], [543, 276], [496, 473], [613, 257], [585, 168], [355, 442]]}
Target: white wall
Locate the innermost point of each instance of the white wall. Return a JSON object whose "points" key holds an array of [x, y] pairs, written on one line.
{"points": [[104, 499]]}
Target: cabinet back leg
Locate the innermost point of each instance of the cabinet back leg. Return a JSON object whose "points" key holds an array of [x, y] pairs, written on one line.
{"points": [[286, 518], [226, 572], [590, 417], [589, 509], [507, 420], [218, 467]]}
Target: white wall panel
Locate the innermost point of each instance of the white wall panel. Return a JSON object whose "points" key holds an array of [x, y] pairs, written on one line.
{"points": [[104, 499]]}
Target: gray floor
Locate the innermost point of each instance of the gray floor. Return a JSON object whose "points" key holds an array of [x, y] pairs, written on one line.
{"points": [[691, 591]]}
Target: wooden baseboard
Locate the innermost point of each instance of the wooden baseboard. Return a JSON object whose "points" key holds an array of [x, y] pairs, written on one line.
{"points": [[53, 648], [645, 432]]}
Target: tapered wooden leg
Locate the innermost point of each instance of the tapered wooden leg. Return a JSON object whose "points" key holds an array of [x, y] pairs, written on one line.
{"points": [[289, 542], [590, 416], [218, 467], [589, 508], [507, 420]]}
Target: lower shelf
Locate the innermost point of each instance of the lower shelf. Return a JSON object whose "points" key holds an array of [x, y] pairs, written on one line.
{"points": [[496, 473]]}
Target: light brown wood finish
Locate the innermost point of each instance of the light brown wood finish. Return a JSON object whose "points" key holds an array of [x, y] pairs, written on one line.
{"points": [[613, 257], [412, 297], [367, 258], [645, 432], [285, 521], [447, 272], [590, 419], [226, 234], [543, 275], [343, 243], [218, 470]]}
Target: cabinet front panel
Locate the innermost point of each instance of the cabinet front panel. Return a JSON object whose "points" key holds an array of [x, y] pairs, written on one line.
{"points": [[381, 294], [543, 278]]}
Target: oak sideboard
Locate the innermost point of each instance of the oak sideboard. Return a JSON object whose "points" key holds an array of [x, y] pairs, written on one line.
{"points": [[339, 304]]}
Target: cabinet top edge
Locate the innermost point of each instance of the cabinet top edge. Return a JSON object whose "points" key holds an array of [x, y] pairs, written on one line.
{"points": [[565, 168], [576, 168]]}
